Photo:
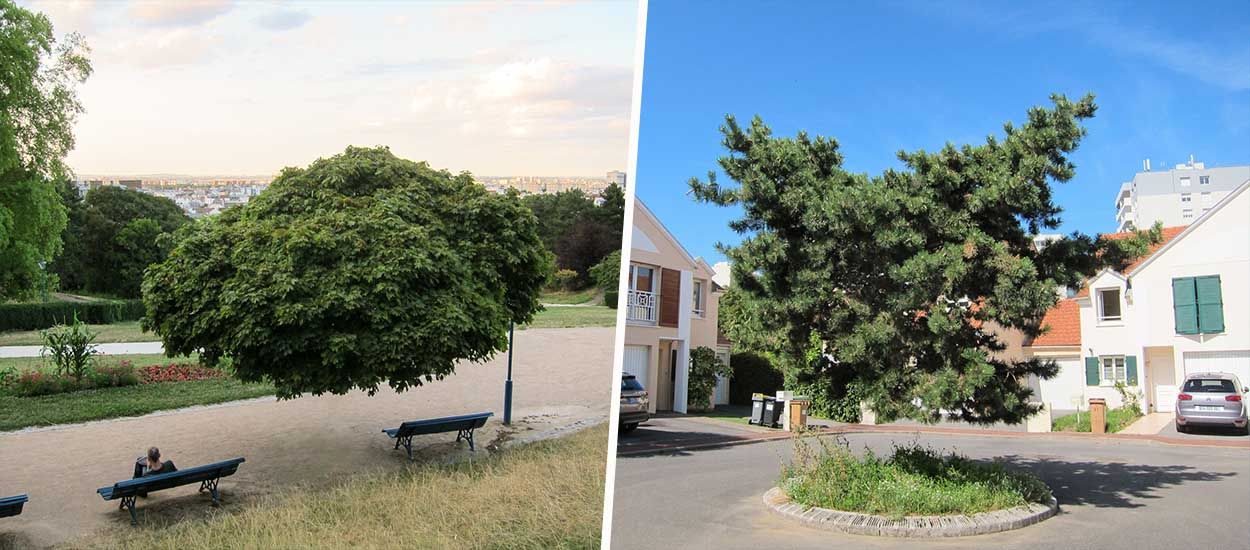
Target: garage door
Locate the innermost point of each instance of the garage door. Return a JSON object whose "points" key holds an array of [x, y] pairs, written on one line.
{"points": [[636, 360], [1235, 362]]}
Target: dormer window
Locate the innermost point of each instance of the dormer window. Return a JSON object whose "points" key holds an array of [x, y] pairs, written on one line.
{"points": [[1109, 304]]}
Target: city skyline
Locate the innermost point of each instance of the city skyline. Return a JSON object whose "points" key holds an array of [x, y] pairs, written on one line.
{"points": [[226, 88]]}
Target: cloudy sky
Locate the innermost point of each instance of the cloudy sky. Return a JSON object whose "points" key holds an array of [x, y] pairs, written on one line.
{"points": [[222, 87]]}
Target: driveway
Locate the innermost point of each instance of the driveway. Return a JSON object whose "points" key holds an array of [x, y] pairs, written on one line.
{"points": [[1113, 494], [664, 432], [561, 376], [121, 348]]}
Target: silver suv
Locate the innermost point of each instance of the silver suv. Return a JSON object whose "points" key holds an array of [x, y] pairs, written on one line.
{"points": [[633, 404], [1211, 399]]}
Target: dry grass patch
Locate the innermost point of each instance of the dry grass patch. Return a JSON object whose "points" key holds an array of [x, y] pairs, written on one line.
{"points": [[544, 495]]}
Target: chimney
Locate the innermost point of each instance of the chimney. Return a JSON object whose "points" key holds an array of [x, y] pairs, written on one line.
{"points": [[1191, 160], [1146, 164]]}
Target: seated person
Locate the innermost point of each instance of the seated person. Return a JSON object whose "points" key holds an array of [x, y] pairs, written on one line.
{"points": [[151, 464]]}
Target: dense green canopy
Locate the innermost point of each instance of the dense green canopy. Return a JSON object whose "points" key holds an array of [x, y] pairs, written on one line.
{"points": [[113, 235], [360, 269], [894, 283], [38, 107]]}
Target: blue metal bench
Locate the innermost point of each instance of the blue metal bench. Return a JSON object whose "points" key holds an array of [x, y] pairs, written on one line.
{"points": [[463, 424], [12, 506], [208, 475]]}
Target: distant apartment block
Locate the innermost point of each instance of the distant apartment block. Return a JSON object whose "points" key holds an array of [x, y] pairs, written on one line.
{"points": [[1175, 197], [617, 177]]}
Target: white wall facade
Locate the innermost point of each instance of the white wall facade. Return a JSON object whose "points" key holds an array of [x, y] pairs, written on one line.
{"points": [[1219, 245]]}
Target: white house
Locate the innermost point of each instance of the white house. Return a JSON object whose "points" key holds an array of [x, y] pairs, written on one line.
{"points": [[1181, 308], [671, 307]]}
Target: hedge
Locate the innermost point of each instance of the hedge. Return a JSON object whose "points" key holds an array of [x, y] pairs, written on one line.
{"points": [[611, 298], [37, 316], [753, 373]]}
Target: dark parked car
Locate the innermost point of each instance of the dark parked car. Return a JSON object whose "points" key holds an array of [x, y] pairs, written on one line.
{"points": [[1211, 399], [633, 403]]}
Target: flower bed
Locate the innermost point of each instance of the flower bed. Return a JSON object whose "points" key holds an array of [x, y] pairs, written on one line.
{"points": [[177, 372], [36, 383]]}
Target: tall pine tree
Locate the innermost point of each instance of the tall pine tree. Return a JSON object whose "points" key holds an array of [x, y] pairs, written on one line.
{"points": [[890, 282]]}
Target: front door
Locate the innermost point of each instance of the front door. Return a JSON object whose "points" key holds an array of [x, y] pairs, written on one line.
{"points": [[664, 378]]}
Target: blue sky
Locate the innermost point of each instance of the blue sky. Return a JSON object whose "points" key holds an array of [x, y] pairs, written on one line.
{"points": [[1170, 81]]}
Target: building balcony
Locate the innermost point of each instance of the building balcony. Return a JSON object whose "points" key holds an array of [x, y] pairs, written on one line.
{"points": [[640, 307]]}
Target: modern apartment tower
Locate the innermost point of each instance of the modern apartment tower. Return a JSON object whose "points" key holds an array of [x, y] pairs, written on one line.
{"points": [[1174, 197]]}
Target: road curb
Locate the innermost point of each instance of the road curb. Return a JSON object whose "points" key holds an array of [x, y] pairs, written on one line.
{"points": [[913, 526]]}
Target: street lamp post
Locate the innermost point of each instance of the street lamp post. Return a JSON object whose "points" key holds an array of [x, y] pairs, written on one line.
{"points": [[44, 272], [507, 385]]}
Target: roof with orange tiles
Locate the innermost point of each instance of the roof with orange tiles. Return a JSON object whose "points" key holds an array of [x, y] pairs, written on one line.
{"points": [[1169, 233], [1062, 326]]}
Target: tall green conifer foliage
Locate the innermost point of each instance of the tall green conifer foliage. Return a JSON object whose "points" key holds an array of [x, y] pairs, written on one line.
{"points": [[892, 282]]}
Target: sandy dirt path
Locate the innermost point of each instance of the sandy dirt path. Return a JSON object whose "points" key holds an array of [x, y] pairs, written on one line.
{"points": [[561, 376]]}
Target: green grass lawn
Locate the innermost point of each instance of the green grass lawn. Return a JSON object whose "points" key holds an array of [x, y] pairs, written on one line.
{"points": [[736, 414], [508, 500], [1117, 419], [142, 360], [127, 331], [21, 412], [567, 317], [913, 480], [569, 296]]}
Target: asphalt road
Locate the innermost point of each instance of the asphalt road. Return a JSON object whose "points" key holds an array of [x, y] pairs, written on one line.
{"points": [[1112, 495]]}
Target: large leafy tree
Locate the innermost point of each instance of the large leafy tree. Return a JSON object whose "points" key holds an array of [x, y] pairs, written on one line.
{"points": [[889, 283], [576, 229], [360, 269], [38, 107], [113, 235]]}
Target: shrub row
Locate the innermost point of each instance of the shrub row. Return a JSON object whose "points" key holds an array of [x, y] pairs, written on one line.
{"points": [[38, 316], [753, 373], [176, 372]]}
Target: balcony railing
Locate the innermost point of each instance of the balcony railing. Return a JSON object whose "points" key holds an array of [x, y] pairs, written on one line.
{"points": [[640, 306]]}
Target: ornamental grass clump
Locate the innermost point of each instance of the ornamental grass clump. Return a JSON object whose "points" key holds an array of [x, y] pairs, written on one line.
{"points": [[911, 481]]}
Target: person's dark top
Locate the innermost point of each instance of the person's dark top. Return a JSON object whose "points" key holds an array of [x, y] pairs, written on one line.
{"points": [[141, 467]]}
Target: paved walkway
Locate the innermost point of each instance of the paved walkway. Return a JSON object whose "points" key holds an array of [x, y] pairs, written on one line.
{"points": [[561, 376], [1152, 423], [125, 348]]}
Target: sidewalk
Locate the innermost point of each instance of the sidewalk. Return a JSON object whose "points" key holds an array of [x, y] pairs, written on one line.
{"points": [[123, 348]]}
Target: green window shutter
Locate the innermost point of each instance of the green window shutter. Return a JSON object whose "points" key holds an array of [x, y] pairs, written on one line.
{"points": [[1185, 305], [1130, 369], [1091, 371], [1210, 304]]}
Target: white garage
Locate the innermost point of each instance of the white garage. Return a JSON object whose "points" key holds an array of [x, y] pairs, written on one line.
{"points": [[1066, 391], [1235, 362], [636, 361]]}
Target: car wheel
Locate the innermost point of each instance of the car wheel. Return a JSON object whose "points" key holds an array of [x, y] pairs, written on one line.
{"points": [[628, 427]]}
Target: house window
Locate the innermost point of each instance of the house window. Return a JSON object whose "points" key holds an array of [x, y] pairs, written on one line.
{"points": [[1109, 304], [1187, 213], [1204, 180], [1113, 369], [641, 278], [1185, 181], [1206, 197], [1186, 197], [698, 299]]}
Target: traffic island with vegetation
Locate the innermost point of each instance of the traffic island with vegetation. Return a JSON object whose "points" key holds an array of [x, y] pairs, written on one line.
{"points": [[912, 481], [508, 500]]}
